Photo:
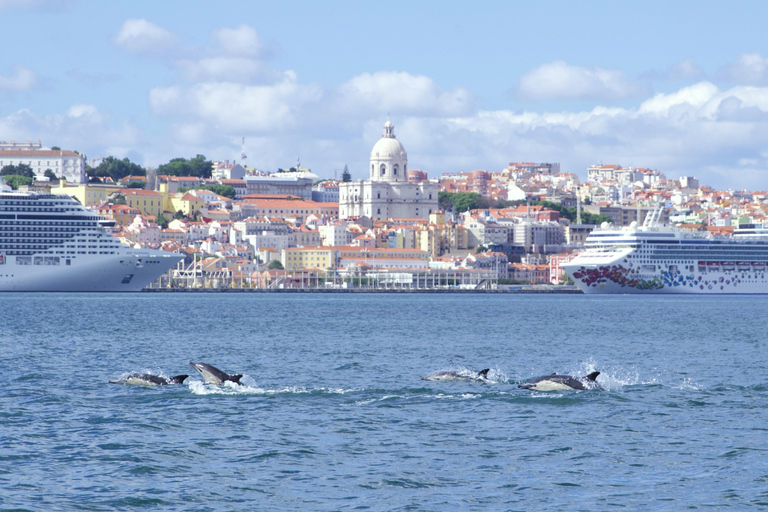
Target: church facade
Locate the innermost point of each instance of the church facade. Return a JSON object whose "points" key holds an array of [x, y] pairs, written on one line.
{"points": [[388, 193]]}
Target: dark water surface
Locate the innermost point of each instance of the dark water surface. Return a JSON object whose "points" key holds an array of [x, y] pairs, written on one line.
{"points": [[334, 415]]}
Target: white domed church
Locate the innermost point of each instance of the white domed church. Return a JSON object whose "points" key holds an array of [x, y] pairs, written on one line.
{"points": [[388, 194]]}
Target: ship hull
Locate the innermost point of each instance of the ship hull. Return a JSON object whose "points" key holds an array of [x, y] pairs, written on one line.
{"points": [[128, 271], [679, 278]]}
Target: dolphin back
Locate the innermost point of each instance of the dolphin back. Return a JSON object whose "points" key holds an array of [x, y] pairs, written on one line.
{"points": [[236, 378], [177, 379]]}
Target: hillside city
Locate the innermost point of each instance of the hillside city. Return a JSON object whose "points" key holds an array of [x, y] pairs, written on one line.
{"points": [[241, 227]]}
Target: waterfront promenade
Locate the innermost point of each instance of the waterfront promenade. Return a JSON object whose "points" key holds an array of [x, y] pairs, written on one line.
{"points": [[535, 289]]}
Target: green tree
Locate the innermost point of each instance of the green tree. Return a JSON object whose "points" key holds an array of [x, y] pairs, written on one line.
{"points": [[222, 190], [118, 198], [464, 201], [161, 221], [136, 184], [50, 175], [345, 176], [15, 180], [198, 167], [116, 168], [56, 148], [18, 170], [275, 265]]}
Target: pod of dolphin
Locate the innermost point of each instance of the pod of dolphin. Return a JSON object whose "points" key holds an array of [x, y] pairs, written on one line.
{"points": [[214, 376]]}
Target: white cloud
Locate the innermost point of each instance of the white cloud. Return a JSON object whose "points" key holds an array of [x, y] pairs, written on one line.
{"points": [[749, 69], [229, 69], [82, 127], [22, 79], [232, 106], [243, 40], [146, 38], [558, 80], [404, 93], [86, 113], [693, 97]]}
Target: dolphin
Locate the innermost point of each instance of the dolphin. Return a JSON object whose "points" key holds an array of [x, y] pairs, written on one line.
{"points": [[147, 379], [213, 375], [481, 376], [557, 382]]}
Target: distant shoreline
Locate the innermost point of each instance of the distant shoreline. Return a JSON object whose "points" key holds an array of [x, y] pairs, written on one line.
{"points": [[524, 289]]}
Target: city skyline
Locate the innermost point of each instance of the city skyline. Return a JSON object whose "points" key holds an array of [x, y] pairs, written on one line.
{"points": [[680, 88]]}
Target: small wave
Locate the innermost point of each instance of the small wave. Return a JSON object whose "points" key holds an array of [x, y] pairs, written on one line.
{"points": [[688, 385], [230, 388]]}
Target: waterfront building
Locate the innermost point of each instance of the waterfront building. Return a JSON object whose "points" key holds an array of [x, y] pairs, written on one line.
{"points": [[326, 257]]}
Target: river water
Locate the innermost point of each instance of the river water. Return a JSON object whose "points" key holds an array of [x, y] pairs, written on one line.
{"points": [[333, 414]]}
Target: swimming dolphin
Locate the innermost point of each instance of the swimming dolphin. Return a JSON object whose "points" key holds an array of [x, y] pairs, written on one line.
{"points": [[146, 379], [213, 375], [481, 376], [557, 382]]}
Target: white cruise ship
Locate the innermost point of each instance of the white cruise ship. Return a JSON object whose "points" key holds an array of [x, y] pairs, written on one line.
{"points": [[658, 259], [52, 243]]}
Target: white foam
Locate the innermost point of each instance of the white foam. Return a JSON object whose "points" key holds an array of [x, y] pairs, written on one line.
{"points": [[230, 388]]}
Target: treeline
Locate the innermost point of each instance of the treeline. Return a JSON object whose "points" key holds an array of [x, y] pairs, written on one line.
{"points": [[464, 201], [118, 169], [222, 190], [16, 176]]}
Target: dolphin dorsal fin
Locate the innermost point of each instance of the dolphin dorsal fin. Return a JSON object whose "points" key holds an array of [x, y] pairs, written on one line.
{"points": [[483, 373], [235, 378], [178, 379], [592, 376]]}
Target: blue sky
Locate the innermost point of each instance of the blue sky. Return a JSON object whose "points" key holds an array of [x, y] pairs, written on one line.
{"points": [[681, 87]]}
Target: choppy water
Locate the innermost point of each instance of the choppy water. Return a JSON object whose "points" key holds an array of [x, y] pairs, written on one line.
{"points": [[334, 415]]}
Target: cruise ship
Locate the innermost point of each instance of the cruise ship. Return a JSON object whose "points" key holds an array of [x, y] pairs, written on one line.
{"points": [[661, 259], [51, 243]]}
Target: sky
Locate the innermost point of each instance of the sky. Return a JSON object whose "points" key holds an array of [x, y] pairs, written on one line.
{"points": [[679, 87]]}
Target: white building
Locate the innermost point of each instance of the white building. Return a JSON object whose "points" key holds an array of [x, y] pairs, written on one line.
{"points": [[280, 184], [388, 194], [326, 192], [64, 164]]}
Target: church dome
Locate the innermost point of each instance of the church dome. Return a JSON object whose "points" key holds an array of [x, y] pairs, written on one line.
{"points": [[388, 148]]}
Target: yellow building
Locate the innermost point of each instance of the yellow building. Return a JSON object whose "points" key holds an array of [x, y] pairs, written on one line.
{"points": [[437, 217], [308, 257], [88, 194], [326, 257], [428, 240], [188, 204], [148, 202]]}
